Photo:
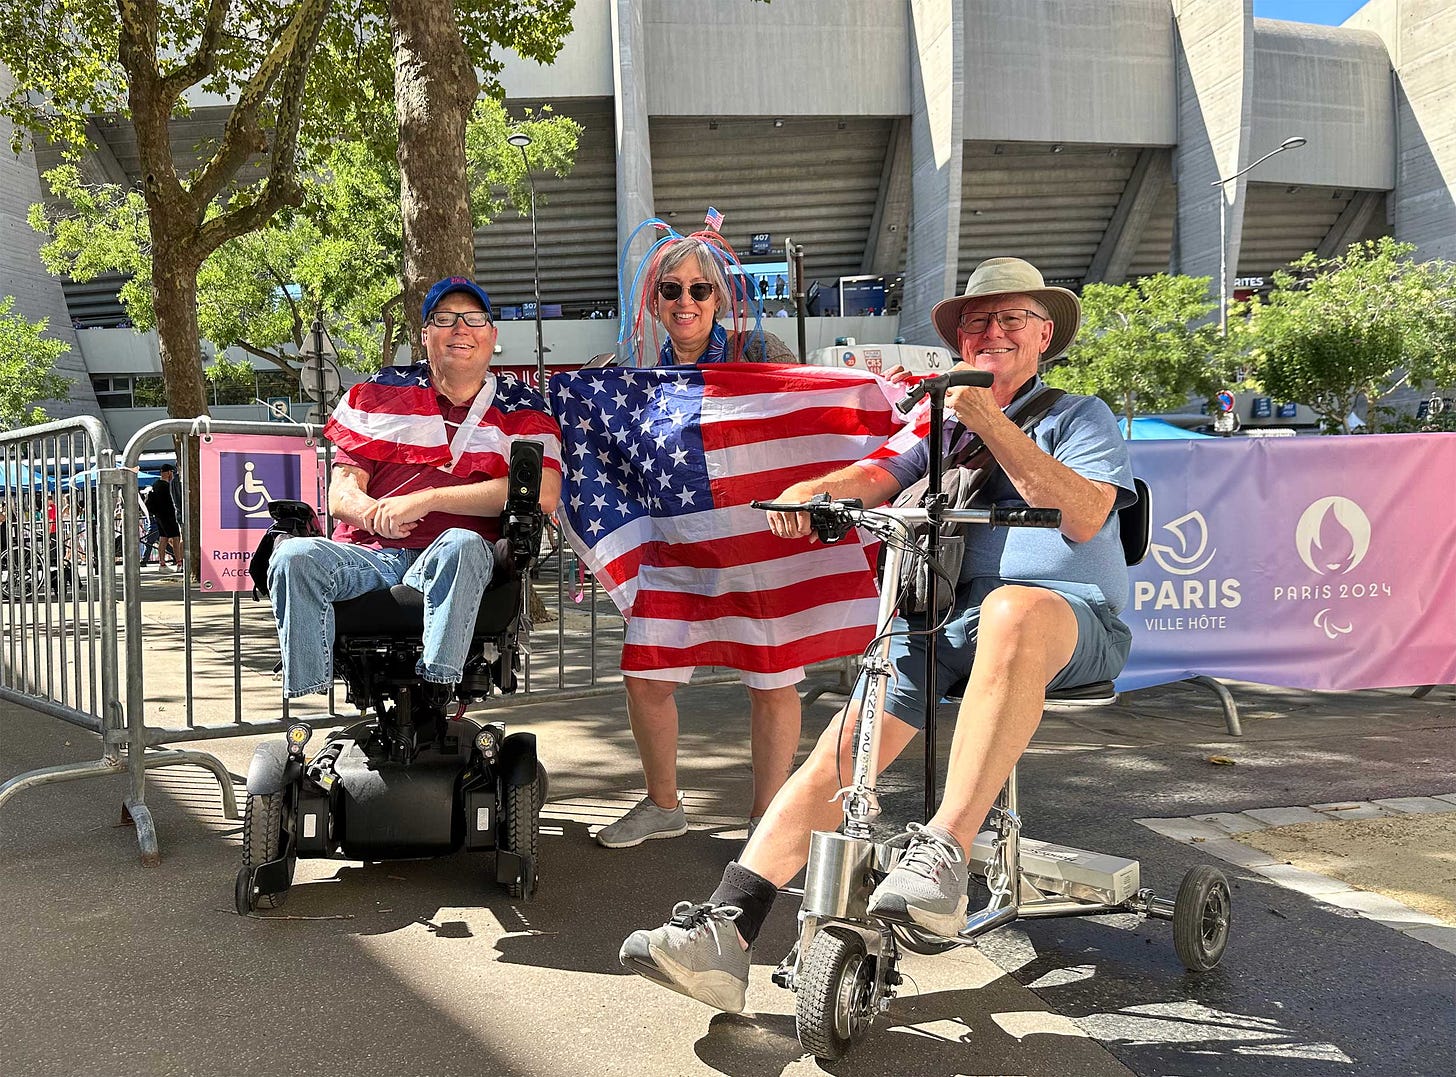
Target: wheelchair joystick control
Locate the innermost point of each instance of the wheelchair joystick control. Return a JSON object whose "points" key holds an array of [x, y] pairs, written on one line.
{"points": [[523, 517]]}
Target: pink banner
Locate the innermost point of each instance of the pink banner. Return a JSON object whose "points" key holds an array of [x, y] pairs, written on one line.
{"points": [[1325, 563], [240, 475]]}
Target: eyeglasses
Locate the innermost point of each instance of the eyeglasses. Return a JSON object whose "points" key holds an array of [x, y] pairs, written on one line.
{"points": [[672, 291], [446, 319], [1008, 320]]}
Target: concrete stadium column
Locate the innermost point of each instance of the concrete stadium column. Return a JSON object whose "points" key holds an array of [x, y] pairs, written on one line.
{"points": [[1214, 42], [937, 108], [634, 145], [1420, 36], [37, 294]]}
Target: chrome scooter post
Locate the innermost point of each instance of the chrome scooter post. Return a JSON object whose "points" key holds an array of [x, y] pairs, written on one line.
{"points": [[861, 805], [1003, 868]]}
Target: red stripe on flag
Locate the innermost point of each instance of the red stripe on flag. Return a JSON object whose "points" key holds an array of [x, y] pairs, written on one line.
{"points": [[764, 605], [725, 432], [752, 659]]}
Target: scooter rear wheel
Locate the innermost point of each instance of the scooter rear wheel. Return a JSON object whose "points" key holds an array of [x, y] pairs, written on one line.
{"points": [[833, 994], [1201, 918], [262, 839]]}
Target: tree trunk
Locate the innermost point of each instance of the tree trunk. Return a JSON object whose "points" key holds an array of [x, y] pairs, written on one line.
{"points": [[435, 87], [1127, 410], [174, 282]]}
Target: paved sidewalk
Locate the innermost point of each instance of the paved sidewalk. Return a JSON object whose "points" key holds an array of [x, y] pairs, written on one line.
{"points": [[426, 967]]}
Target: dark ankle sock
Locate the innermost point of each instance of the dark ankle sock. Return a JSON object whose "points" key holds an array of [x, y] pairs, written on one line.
{"points": [[750, 892]]}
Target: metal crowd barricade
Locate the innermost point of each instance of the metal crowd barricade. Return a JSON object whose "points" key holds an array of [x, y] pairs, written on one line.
{"points": [[58, 598]]}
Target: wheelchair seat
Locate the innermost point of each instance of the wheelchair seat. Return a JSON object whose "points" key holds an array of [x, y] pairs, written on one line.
{"points": [[399, 612], [377, 644]]}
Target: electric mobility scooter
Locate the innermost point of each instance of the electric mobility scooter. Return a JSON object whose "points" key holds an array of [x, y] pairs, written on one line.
{"points": [[412, 780], [844, 970]]}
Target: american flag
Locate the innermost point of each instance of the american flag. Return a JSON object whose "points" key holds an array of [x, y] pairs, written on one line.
{"points": [[714, 220], [661, 465], [394, 418]]}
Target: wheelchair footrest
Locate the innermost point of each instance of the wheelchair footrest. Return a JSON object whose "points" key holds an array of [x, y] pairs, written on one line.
{"points": [[1067, 872]]}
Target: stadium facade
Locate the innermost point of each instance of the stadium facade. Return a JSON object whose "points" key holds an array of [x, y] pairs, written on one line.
{"points": [[908, 139]]}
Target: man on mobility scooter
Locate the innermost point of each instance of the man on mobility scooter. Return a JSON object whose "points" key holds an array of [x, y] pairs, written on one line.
{"points": [[1032, 609], [428, 460]]}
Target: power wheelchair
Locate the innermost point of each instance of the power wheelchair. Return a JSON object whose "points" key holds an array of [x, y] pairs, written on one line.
{"points": [[412, 780], [844, 969]]}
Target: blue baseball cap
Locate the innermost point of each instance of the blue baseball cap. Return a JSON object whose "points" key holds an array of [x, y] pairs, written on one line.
{"points": [[441, 288]]}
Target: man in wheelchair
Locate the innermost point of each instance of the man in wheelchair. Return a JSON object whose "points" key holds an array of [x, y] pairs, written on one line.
{"points": [[418, 487], [1033, 609], [434, 462]]}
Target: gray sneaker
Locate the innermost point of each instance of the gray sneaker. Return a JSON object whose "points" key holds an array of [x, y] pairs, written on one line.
{"points": [[928, 886], [645, 820], [696, 953]]}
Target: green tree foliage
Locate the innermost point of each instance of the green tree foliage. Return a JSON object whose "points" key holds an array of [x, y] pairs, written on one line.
{"points": [[336, 257], [1360, 325], [303, 76], [1139, 349], [27, 368]]}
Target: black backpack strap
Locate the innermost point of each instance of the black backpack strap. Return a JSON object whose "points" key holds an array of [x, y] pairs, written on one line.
{"points": [[1026, 413]]}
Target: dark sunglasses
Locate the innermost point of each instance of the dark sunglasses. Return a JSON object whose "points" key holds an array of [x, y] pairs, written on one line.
{"points": [[672, 291]]}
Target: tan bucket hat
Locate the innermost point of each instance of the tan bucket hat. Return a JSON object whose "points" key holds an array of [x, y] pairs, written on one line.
{"points": [[1012, 276]]}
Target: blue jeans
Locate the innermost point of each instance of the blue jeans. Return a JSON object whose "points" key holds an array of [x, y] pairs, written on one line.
{"points": [[306, 576]]}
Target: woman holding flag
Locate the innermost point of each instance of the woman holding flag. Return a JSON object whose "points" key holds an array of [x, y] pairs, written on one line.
{"points": [[686, 292]]}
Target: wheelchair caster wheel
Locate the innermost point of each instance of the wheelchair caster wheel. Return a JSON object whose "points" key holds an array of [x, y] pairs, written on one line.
{"points": [[521, 826], [263, 841], [245, 899], [1201, 914], [833, 1003]]}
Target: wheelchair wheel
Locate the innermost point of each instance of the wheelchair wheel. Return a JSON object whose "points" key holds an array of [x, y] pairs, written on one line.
{"points": [[833, 1004], [22, 576], [1201, 918], [521, 823], [262, 840]]}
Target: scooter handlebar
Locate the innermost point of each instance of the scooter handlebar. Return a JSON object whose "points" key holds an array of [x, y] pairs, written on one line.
{"points": [[941, 383], [1026, 517]]}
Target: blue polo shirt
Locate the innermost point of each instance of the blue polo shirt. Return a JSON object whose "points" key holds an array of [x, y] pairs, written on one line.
{"points": [[1080, 432]]}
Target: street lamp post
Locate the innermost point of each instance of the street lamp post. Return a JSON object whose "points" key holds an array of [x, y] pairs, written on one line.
{"points": [[521, 140], [1223, 281]]}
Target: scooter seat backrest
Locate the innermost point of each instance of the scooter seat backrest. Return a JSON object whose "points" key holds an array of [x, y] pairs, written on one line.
{"points": [[399, 613]]}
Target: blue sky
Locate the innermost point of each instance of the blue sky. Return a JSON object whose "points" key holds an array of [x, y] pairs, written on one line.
{"points": [[1329, 12]]}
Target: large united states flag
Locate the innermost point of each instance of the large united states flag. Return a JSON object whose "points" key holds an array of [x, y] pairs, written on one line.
{"points": [[660, 466]]}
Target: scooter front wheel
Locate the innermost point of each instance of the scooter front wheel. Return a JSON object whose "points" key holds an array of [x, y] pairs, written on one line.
{"points": [[834, 1001]]}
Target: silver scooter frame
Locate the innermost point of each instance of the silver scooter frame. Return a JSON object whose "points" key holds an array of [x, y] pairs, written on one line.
{"points": [[1025, 878]]}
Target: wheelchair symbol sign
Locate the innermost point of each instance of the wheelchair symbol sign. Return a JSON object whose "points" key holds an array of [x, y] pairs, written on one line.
{"points": [[248, 481]]}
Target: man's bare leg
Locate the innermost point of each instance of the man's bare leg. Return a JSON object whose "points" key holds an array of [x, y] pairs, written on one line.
{"points": [[1026, 635], [779, 848], [775, 721]]}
